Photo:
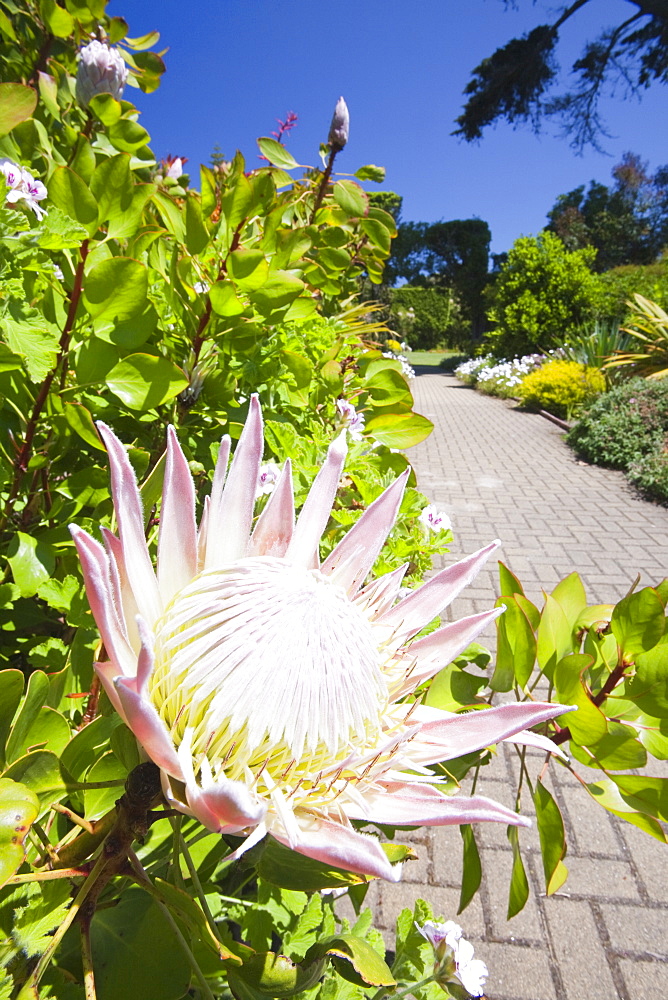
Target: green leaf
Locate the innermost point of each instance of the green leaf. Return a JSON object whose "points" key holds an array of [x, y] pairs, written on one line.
{"points": [[197, 236], [570, 595], [111, 184], [618, 750], [36, 695], [135, 935], [638, 622], [519, 885], [552, 838], [371, 173], [554, 636], [356, 961], [17, 103], [11, 692], [646, 794], [71, 194], [115, 291], [106, 108], [42, 773], [237, 202], [32, 562], [48, 92], [350, 197], [648, 689], [588, 724], [82, 423], [19, 807], [607, 794], [471, 867], [58, 20], [276, 153], [224, 299], [127, 136], [98, 801], [88, 745], [280, 288], [289, 870], [516, 647], [387, 387], [143, 381], [248, 269], [299, 367], [399, 430], [35, 340], [191, 913], [208, 189], [46, 909], [49, 731]]}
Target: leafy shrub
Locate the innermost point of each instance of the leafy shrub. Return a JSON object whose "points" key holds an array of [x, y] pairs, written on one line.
{"points": [[562, 387], [619, 285], [649, 475], [543, 293], [624, 425], [423, 316], [592, 346]]}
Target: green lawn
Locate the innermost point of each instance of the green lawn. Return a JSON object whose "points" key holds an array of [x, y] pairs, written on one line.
{"points": [[428, 357]]}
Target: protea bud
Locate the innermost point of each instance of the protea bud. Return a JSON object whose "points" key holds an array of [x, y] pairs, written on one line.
{"points": [[340, 127], [101, 71]]}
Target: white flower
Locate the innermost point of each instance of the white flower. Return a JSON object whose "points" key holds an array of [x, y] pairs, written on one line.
{"points": [[271, 688], [339, 130], [454, 956], [435, 519], [101, 71], [22, 186], [352, 420], [267, 479]]}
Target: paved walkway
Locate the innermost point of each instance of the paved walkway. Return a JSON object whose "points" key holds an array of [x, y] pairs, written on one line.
{"points": [[502, 473]]}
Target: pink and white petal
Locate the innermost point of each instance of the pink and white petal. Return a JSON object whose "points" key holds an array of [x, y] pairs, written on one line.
{"points": [[148, 727], [441, 647], [380, 594], [126, 603], [231, 515], [314, 515], [275, 525], [99, 590], [455, 735], [108, 673], [202, 534], [406, 804], [225, 806], [341, 846], [421, 606], [536, 740], [129, 514], [177, 540], [350, 562]]}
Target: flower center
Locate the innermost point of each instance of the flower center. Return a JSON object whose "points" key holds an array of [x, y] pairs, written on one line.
{"points": [[267, 664]]}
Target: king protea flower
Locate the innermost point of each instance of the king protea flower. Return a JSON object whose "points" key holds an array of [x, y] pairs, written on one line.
{"points": [[269, 688]]}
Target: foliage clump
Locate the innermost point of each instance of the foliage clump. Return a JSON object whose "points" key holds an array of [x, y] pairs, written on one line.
{"points": [[561, 387], [543, 293], [623, 426]]}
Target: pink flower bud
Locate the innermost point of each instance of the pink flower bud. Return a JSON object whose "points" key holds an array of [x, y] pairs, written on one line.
{"points": [[340, 127], [101, 71]]}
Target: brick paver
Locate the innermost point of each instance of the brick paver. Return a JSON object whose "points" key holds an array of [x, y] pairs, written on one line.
{"points": [[502, 473]]}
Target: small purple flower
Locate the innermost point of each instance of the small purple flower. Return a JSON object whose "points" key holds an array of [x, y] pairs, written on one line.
{"points": [[434, 519], [454, 961], [22, 186], [352, 420], [267, 479]]}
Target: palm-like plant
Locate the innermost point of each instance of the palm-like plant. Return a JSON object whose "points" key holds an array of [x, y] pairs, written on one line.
{"points": [[649, 326]]}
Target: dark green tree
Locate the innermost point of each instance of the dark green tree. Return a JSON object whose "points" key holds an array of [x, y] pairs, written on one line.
{"points": [[626, 223], [515, 82]]}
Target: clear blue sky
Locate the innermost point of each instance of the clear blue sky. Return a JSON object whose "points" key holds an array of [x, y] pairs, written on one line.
{"points": [[234, 66]]}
